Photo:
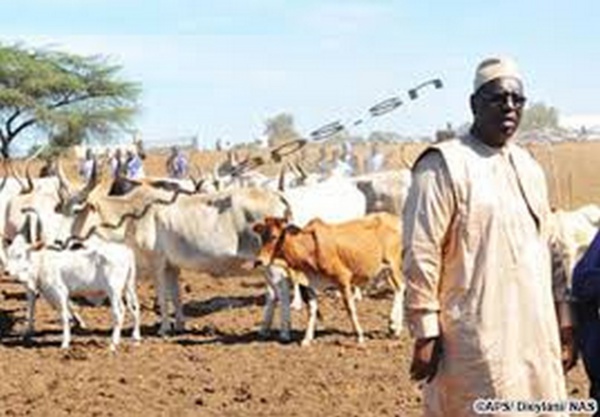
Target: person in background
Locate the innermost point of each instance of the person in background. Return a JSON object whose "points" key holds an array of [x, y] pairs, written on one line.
{"points": [[228, 166], [586, 297], [134, 165], [349, 158], [376, 160], [323, 165], [340, 165], [489, 318], [117, 165], [88, 165], [177, 164]]}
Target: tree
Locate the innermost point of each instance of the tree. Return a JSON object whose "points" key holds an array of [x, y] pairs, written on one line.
{"points": [[385, 137], [280, 129], [69, 96], [539, 116]]}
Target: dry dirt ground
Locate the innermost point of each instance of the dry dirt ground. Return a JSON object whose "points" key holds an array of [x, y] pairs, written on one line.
{"points": [[219, 366]]}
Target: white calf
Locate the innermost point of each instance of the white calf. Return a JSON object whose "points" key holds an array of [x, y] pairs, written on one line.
{"points": [[100, 267]]}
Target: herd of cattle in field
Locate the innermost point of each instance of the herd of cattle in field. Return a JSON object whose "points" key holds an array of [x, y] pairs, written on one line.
{"points": [[305, 233]]}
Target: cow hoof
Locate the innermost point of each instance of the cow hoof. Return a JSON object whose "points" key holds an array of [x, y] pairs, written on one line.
{"points": [[394, 331], [179, 327], [79, 325], [285, 337], [305, 342], [164, 330]]}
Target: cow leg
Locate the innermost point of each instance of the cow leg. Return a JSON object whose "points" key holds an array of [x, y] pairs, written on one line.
{"points": [[397, 314], [172, 274], [161, 289], [270, 300], [62, 302], [133, 306], [277, 290], [311, 297], [31, 299], [297, 299], [78, 321], [118, 314], [272, 276], [351, 308], [357, 294], [286, 319]]}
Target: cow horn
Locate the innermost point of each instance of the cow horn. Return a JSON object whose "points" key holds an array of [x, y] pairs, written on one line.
{"points": [[11, 168], [38, 229], [403, 157], [300, 171], [36, 236], [64, 188], [26, 229], [216, 178], [281, 183], [28, 178], [197, 181], [29, 187], [5, 179], [83, 194]]}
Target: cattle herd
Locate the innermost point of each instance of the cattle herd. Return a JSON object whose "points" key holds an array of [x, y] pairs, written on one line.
{"points": [[305, 234]]}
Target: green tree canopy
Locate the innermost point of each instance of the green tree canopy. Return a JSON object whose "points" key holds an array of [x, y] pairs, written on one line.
{"points": [[69, 96], [280, 129], [539, 116]]}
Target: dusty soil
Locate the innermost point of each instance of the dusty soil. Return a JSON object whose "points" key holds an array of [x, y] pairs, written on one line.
{"points": [[219, 366]]}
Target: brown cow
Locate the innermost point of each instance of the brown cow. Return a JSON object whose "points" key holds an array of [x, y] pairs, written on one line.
{"points": [[345, 254]]}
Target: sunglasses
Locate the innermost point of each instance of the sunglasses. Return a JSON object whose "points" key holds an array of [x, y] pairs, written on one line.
{"points": [[499, 99]]}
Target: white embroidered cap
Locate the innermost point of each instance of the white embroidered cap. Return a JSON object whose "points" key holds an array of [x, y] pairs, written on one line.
{"points": [[492, 68]]}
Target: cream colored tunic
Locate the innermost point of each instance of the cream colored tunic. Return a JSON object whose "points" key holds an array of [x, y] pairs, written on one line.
{"points": [[478, 272]]}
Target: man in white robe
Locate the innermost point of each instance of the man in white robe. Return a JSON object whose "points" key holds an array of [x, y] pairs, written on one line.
{"points": [[481, 300]]}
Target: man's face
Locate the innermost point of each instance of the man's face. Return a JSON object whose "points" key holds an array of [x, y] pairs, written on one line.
{"points": [[497, 107]]}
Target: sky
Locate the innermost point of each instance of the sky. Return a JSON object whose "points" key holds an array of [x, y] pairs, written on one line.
{"points": [[220, 69]]}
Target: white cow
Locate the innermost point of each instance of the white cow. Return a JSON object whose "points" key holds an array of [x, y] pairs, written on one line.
{"points": [[573, 231], [385, 190], [108, 268], [205, 232], [24, 208]]}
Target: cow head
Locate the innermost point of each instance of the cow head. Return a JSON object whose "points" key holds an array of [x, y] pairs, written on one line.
{"points": [[19, 264], [70, 199], [272, 235], [86, 216]]}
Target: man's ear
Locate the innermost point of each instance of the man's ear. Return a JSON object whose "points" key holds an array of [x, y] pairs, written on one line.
{"points": [[474, 102]]}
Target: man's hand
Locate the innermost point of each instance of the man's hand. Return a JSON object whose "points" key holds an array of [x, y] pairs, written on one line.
{"points": [[426, 357], [568, 349]]}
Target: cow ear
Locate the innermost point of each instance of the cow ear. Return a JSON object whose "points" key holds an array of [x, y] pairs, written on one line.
{"points": [[293, 229], [258, 228]]}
